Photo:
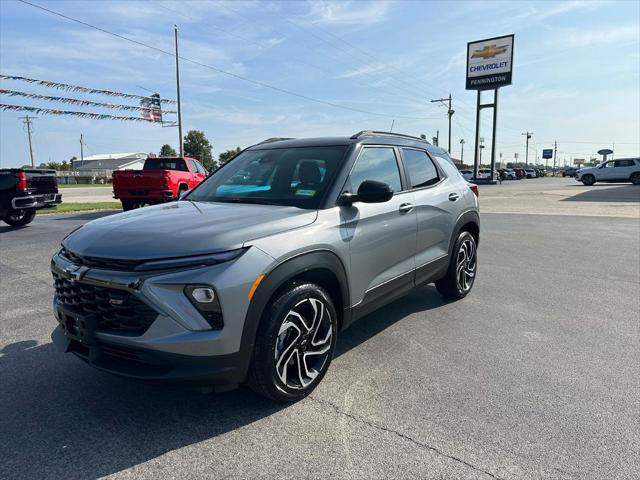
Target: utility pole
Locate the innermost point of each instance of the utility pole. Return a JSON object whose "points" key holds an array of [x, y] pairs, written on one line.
{"points": [[392, 124], [450, 113], [28, 121], [555, 153], [526, 155], [461, 151], [81, 150], [181, 143]]}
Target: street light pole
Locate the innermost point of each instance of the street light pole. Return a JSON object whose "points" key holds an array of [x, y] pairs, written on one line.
{"points": [[462, 151], [526, 155], [181, 142]]}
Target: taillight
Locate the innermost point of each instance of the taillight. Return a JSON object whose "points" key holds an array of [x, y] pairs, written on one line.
{"points": [[21, 186], [474, 188]]}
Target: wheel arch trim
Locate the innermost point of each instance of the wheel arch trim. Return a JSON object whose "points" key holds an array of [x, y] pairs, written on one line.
{"points": [[279, 276]]}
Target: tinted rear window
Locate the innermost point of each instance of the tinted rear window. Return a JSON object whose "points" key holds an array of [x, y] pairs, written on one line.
{"points": [[165, 164]]}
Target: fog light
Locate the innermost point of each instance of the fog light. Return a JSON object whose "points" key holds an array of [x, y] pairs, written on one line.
{"points": [[203, 294], [205, 300]]}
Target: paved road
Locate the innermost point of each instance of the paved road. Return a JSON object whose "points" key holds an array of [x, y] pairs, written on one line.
{"points": [[561, 196], [534, 375]]}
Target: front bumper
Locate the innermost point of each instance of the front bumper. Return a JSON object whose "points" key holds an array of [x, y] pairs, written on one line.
{"points": [[178, 344], [152, 365], [45, 200]]}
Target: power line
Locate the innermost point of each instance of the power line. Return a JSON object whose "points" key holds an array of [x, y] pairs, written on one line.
{"points": [[219, 70]]}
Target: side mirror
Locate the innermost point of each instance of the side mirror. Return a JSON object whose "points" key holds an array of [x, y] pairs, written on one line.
{"points": [[184, 194], [369, 191]]}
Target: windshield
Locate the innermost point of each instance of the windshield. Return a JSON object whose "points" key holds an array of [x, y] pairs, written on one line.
{"points": [[165, 164], [284, 176]]}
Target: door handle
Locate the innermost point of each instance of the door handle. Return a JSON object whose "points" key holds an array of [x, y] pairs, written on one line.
{"points": [[406, 207], [453, 197]]}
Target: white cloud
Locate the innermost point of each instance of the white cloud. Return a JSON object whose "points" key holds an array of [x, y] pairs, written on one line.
{"points": [[364, 70], [348, 12], [605, 36]]}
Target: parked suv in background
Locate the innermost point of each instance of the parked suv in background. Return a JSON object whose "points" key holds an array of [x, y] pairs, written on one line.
{"points": [[620, 170], [252, 275]]}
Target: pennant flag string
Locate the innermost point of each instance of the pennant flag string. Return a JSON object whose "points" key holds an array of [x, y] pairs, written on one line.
{"points": [[77, 88], [95, 116], [75, 101]]}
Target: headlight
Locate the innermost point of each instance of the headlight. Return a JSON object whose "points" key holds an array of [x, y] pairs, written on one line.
{"points": [[205, 299], [190, 262]]}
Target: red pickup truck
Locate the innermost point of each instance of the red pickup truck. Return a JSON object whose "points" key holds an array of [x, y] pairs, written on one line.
{"points": [[162, 179]]}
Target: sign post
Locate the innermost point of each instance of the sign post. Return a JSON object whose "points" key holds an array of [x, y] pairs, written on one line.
{"points": [[489, 67], [547, 153]]}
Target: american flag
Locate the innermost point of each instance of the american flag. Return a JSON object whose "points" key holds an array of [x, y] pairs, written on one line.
{"points": [[151, 108]]}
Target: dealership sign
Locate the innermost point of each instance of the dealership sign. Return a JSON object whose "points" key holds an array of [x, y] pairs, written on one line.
{"points": [[489, 63], [547, 153]]}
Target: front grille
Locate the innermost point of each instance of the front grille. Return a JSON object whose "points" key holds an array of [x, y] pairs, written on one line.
{"points": [[97, 262], [117, 311]]}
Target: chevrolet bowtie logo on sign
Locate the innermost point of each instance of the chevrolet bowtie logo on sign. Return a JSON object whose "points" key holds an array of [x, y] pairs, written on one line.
{"points": [[489, 51], [489, 63]]}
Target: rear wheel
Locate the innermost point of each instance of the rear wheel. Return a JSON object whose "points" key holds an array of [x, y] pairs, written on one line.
{"points": [[20, 218], [635, 178], [294, 344], [181, 190], [462, 269], [128, 205], [588, 179]]}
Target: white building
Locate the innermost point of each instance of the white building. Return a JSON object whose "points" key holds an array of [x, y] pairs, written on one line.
{"points": [[111, 161]]}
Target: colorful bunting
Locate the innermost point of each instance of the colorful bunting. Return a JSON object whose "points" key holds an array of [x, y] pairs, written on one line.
{"points": [[87, 103], [50, 111], [76, 88]]}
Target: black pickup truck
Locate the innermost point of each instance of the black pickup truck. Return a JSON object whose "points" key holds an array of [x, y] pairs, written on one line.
{"points": [[23, 191]]}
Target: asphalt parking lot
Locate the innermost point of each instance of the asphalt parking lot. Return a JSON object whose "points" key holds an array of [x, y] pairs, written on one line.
{"points": [[534, 375]]}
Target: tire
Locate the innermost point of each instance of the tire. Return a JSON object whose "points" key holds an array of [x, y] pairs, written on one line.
{"points": [[20, 218], [465, 253], [284, 343], [588, 180], [128, 205], [635, 178]]}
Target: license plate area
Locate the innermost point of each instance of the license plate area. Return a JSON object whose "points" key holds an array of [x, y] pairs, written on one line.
{"points": [[80, 328]]}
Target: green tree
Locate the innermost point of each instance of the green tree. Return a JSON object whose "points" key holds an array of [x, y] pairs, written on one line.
{"points": [[167, 151], [64, 166], [224, 157], [197, 146]]}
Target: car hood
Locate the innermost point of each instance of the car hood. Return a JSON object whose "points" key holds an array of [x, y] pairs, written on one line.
{"points": [[183, 228]]}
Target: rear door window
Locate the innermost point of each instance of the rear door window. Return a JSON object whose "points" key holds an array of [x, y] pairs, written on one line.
{"points": [[422, 172]]}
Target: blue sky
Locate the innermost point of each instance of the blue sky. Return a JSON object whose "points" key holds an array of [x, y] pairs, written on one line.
{"points": [[576, 71]]}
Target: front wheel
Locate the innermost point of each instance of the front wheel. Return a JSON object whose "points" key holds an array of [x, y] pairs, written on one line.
{"points": [[20, 218], [294, 344], [635, 178], [588, 180], [462, 269]]}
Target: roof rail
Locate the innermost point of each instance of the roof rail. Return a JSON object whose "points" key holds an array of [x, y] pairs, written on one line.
{"points": [[363, 133], [274, 139]]}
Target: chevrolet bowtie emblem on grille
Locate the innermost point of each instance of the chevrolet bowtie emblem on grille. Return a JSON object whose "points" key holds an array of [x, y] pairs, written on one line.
{"points": [[489, 51], [74, 272]]}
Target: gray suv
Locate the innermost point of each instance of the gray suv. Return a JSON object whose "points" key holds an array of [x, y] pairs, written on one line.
{"points": [[251, 276]]}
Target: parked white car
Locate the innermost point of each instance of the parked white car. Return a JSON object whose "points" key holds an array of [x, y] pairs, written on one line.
{"points": [[510, 174], [620, 170], [467, 174], [530, 173]]}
